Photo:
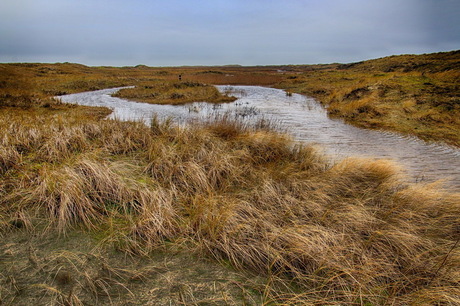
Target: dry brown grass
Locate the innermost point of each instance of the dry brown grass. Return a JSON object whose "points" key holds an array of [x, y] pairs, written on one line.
{"points": [[411, 94], [352, 232], [174, 92], [322, 233], [71, 271], [236, 77], [415, 95]]}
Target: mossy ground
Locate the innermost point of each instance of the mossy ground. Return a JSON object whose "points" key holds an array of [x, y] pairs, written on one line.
{"points": [[78, 269]]}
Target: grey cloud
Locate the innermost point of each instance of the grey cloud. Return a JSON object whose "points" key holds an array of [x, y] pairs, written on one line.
{"points": [[178, 32]]}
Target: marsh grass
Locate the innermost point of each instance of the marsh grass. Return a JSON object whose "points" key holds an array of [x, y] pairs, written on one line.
{"points": [[319, 232], [410, 94], [415, 95], [237, 77], [316, 232], [173, 92]]}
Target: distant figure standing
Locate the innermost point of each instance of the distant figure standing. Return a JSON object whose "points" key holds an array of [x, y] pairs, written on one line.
{"points": [[180, 77]]}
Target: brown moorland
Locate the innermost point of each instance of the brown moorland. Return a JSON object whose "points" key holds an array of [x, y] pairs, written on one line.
{"points": [[103, 211], [411, 94]]}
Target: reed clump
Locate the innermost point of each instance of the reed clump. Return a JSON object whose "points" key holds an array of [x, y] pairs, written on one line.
{"points": [[319, 232]]}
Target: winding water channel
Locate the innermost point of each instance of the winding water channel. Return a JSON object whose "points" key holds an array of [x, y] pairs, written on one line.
{"points": [[303, 118]]}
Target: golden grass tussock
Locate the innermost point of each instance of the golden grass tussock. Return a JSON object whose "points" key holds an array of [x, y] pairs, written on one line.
{"points": [[79, 193], [156, 220], [9, 158]]}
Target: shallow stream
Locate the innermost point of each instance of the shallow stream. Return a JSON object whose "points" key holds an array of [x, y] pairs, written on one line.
{"points": [[303, 118]]}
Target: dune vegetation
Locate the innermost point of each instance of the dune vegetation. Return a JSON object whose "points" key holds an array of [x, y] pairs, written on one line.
{"points": [[349, 232], [173, 92], [97, 211], [410, 94]]}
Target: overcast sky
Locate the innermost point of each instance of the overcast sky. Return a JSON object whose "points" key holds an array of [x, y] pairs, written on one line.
{"points": [[220, 32]]}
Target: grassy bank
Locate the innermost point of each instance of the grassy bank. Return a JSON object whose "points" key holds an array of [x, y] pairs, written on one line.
{"points": [[174, 92], [315, 232], [410, 94]]}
